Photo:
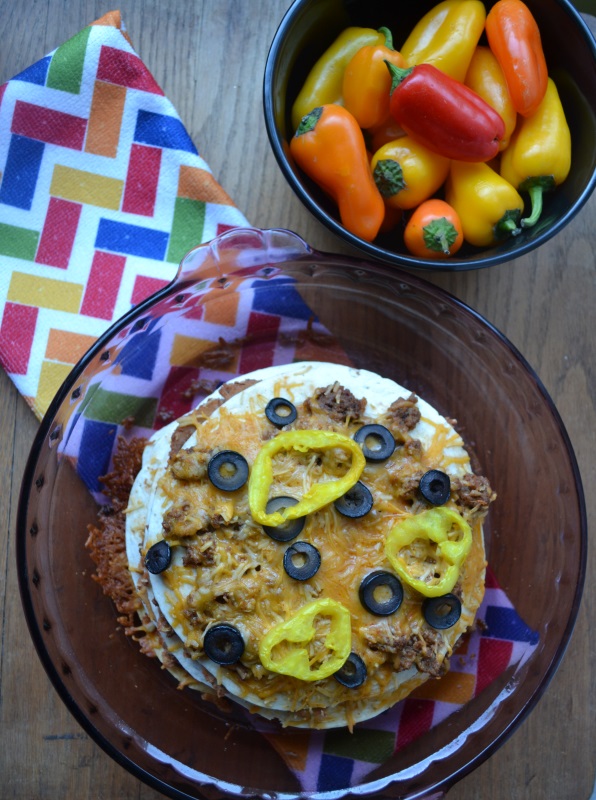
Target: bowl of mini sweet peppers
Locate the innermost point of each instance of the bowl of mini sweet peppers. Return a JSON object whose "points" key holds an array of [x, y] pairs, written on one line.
{"points": [[449, 135]]}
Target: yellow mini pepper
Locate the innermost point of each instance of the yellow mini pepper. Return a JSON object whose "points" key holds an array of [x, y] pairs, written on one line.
{"points": [[292, 639], [487, 79], [448, 539], [539, 155], [407, 173], [319, 494], [446, 37], [489, 207], [323, 84]]}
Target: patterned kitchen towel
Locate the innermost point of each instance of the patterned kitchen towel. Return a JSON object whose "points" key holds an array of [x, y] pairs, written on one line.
{"points": [[102, 193]]}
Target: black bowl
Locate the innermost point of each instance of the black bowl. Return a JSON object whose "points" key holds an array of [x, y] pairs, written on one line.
{"points": [[308, 29]]}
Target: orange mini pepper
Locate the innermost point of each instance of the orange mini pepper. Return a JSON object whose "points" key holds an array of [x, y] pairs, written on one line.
{"points": [[486, 78], [434, 230], [323, 83], [514, 38], [329, 147], [367, 82]]}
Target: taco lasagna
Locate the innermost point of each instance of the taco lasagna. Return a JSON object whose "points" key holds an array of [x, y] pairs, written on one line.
{"points": [[307, 543]]}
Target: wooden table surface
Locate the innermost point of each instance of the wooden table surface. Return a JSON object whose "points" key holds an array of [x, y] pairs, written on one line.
{"points": [[209, 58]]}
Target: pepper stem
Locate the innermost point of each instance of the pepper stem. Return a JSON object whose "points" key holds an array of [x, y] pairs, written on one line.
{"points": [[388, 37], [389, 177], [308, 122], [508, 225], [439, 235], [536, 186], [536, 194], [398, 74]]}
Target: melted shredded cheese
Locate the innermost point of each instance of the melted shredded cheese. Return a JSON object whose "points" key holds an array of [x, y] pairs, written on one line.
{"points": [[244, 582]]}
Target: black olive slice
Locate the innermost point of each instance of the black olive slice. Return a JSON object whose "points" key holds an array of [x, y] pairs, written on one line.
{"points": [[280, 412], [381, 593], [228, 470], [353, 673], [158, 557], [377, 442], [287, 530], [435, 487], [442, 612], [223, 643], [356, 502], [301, 561]]}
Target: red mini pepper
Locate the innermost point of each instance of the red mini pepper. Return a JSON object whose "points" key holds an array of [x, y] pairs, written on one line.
{"points": [[444, 114]]}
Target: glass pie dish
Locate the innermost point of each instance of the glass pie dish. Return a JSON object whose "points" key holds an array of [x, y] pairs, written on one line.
{"points": [[248, 299]]}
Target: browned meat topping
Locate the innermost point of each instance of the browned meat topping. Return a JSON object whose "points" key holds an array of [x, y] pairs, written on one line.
{"points": [[200, 555], [181, 520], [403, 414], [472, 492], [419, 650], [339, 403], [190, 464], [407, 484], [413, 448]]}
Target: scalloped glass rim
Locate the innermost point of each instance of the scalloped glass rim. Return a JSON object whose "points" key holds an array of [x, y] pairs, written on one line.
{"points": [[312, 263]]}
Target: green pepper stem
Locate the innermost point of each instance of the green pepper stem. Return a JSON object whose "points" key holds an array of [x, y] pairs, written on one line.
{"points": [[439, 235], [508, 225], [536, 193], [388, 37], [398, 74], [536, 186], [308, 122], [389, 177]]}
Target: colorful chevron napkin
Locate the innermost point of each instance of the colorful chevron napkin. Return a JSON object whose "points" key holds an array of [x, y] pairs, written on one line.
{"points": [[102, 193]]}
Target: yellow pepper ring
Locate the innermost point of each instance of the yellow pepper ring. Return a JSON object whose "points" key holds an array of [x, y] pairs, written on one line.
{"points": [[438, 525], [319, 494], [296, 633]]}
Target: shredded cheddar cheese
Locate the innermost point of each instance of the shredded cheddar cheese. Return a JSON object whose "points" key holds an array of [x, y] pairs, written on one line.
{"points": [[226, 569]]}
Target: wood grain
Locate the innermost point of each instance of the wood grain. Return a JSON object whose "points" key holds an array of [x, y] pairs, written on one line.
{"points": [[209, 58]]}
